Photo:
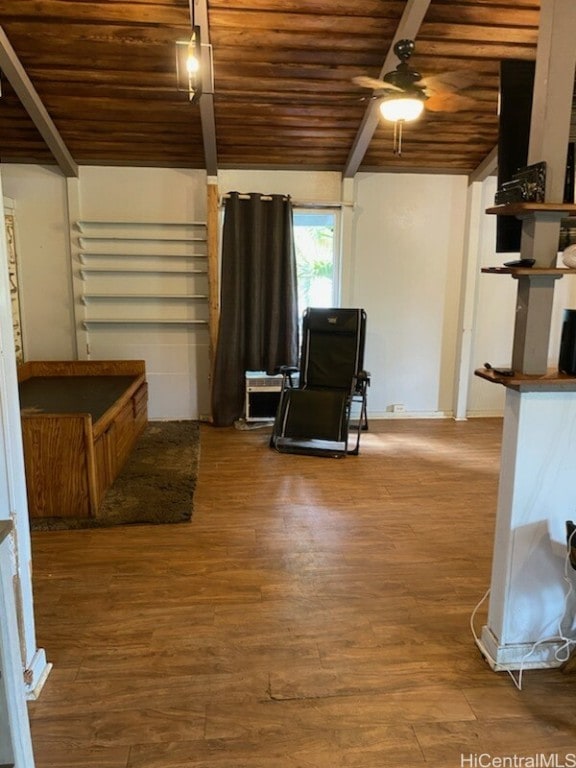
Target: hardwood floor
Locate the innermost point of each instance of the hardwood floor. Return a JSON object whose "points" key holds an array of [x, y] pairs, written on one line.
{"points": [[313, 614]]}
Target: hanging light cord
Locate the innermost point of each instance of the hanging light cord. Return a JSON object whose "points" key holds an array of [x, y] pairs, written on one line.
{"points": [[398, 137]]}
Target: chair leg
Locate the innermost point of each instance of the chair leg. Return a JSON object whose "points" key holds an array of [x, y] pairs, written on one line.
{"points": [[362, 426]]}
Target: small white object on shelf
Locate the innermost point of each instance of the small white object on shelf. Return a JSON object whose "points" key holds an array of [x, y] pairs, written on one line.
{"points": [[569, 256]]}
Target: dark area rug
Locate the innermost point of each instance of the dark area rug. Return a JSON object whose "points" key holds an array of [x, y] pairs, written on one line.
{"points": [[156, 485]]}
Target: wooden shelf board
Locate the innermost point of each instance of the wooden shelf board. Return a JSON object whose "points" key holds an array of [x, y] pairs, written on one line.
{"points": [[526, 209], [556, 272], [141, 270], [550, 381]]}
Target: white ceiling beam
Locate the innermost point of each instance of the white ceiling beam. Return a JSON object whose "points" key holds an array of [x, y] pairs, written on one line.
{"points": [[19, 80], [408, 27], [486, 168], [199, 18]]}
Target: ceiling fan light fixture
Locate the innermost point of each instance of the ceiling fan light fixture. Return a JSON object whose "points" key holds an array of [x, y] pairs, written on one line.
{"points": [[403, 108]]}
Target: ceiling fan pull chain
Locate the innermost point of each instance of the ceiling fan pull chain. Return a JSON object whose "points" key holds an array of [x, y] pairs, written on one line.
{"points": [[398, 137]]}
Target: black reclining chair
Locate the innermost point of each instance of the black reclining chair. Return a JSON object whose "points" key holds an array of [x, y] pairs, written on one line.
{"points": [[317, 399]]}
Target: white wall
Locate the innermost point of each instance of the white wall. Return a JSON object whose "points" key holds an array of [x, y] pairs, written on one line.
{"points": [[42, 242], [410, 293], [302, 186], [495, 310], [176, 356], [140, 194], [406, 265], [13, 501], [402, 261], [494, 316]]}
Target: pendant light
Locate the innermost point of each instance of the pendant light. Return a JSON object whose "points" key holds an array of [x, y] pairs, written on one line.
{"points": [[188, 70], [400, 109]]}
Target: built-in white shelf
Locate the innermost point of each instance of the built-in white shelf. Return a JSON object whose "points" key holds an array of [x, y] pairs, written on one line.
{"points": [[87, 297], [83, 256], [85, 225], [86, 241], [86, 270], [86, 324], [146, 264]]}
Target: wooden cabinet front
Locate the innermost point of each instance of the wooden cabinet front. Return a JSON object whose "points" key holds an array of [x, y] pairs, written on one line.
{"points": [[72, 458]]}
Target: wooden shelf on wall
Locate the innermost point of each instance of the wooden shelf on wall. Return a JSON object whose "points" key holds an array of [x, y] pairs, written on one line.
{"points": [[555, 272], [531, 209], [550, 381]]}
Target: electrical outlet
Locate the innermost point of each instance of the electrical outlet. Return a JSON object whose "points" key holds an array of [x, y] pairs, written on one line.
{"points": [[398, 408]]}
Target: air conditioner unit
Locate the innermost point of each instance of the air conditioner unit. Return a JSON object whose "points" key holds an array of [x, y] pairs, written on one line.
{"points": [[262, 395]]}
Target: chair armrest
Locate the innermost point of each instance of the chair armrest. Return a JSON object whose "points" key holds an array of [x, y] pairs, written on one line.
{"points": [[287, 372], [361, 381]]}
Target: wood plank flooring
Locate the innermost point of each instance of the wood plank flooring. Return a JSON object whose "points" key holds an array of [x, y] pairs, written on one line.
{"points": [[313, 614]]}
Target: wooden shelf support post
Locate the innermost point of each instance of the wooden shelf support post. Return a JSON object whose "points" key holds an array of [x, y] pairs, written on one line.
{"points": [[549, 135], [213, 272], [534, 302]]}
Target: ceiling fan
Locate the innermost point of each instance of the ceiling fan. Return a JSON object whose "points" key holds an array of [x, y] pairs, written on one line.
{"points": [[403, 92]]}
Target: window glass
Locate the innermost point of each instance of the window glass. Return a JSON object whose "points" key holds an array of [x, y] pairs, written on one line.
{"points": [[317, 246]]}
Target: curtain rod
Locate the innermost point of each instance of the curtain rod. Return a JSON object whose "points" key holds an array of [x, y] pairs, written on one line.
{"points": [[296, 203]]}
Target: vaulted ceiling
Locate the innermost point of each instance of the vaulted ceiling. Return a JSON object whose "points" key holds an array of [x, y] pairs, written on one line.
{"points": [[284, 95]]}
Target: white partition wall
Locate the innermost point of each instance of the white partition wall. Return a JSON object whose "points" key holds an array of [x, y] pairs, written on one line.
{"points": [[527, 613], [13, 500], [15, 741]]}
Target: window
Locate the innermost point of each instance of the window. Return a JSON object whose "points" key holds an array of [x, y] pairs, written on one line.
{"points": [[316, 236]]}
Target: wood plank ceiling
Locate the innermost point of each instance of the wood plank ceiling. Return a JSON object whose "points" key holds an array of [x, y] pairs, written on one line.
{"points": [[283, 90]]}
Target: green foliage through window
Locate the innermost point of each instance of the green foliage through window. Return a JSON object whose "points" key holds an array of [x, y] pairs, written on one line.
{"points": [[315, 242]]}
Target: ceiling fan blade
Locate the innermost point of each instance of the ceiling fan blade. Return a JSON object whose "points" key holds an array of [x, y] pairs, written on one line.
{"points": [[450, 81], [374, 84], [449, 102]]}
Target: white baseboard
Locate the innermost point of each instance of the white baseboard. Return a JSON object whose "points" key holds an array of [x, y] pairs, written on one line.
{"points": [[410, 415], [379, 416], [37, 674], [519, 656]]}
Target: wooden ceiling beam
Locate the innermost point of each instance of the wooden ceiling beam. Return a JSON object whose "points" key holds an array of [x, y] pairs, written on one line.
{"points": [[20, 82], [408, 28]]}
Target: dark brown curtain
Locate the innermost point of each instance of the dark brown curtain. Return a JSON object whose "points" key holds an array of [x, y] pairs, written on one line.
{"points": [[258, 298]]}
